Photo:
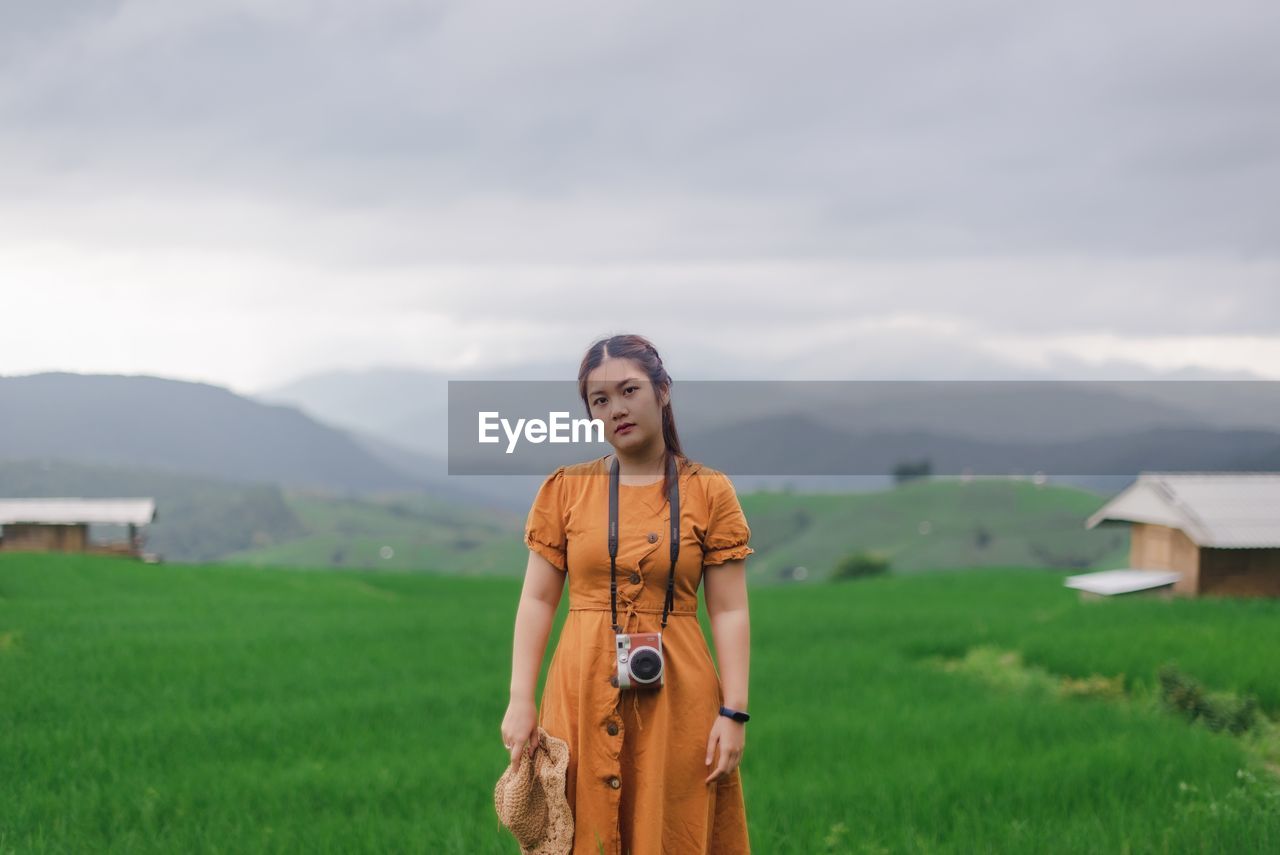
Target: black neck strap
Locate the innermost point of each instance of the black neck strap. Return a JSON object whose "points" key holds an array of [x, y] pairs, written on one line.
{"points": [[673, 500]]}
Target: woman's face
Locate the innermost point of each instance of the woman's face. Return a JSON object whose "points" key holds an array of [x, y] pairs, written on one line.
{"points": [[620, 395]]}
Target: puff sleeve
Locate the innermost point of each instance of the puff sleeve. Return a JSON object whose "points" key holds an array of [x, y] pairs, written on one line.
{"points": [[727, 529], [544, 530]]}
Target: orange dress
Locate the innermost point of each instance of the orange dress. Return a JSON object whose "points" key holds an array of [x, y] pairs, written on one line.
{"points": [[637, 756]]}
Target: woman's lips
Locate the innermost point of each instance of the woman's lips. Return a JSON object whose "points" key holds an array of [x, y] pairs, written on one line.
{"points": [[623, 428]]}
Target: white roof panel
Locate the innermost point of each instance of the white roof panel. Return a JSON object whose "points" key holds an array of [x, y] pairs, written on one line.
{"points": [[1110, 582], [68, 511], [1232, 510]]}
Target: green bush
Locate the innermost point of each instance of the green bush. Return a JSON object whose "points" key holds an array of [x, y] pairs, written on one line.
{"points": [[859, 565], [1217, 711]]}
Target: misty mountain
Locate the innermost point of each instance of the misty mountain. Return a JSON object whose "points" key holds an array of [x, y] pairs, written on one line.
{"points": [[403, 406], [797, 446], [409, 408], [182, 426], [505, 492]]}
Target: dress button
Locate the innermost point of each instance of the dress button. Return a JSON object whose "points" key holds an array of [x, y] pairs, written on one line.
{"points": [[614, 782], [653, 537], [635, 578], [613, 729]]}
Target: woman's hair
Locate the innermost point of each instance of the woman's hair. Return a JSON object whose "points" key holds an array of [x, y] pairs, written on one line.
{"points": [[640, 349]]}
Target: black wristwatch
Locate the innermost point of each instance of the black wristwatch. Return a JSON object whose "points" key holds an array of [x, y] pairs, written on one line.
{"points": [[734, 714]]}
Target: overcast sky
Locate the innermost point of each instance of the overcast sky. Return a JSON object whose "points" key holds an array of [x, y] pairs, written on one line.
{"points": [[245, 192]]}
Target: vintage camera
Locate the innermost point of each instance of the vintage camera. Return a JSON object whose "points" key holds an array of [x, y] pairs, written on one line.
{"points": [[639, 660]]}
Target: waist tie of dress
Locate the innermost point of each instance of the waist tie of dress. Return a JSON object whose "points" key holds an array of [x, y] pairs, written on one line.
{"points": [[629, 608]]}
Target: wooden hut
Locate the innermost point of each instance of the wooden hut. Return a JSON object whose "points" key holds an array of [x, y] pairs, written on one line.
{"points": [[62, 524], [1219, 532]]}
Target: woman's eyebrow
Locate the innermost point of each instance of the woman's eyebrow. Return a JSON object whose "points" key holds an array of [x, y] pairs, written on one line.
{"points": [[621, 383]]}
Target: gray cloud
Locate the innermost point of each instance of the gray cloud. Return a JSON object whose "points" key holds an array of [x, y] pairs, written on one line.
{"points": [[915, 128], [783, 174]]}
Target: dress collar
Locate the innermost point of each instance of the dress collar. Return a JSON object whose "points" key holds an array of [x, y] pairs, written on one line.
{"points": [[654, 499]]}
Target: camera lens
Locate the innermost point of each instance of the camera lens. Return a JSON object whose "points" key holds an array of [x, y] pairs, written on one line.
{"points": [[646, 664]]}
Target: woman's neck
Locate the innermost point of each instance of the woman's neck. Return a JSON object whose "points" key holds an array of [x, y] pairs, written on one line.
{"points": [[641, 465]]}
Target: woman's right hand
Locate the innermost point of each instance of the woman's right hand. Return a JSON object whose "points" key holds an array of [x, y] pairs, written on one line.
{"points": [[520, 726]]}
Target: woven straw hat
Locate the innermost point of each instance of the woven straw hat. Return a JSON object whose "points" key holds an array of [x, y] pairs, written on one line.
{"points": [[532, 801]]}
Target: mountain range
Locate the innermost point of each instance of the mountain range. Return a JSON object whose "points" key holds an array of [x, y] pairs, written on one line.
{"points": [[375, 436]]}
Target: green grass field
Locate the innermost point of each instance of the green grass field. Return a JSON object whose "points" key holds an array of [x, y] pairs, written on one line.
{"points": [[177, 708]]}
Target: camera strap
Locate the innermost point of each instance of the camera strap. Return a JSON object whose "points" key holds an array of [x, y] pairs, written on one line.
{"points": [[673, 500]]}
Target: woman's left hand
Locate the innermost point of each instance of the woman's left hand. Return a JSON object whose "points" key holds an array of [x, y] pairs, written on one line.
{"points": [[731, 736]]}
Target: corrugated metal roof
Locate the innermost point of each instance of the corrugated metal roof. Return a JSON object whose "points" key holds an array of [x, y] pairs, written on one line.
{"points": [[1230, 510], [66, 511]]}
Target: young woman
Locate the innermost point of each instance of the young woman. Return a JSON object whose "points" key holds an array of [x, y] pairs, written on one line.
{"points": [[651, 770]]}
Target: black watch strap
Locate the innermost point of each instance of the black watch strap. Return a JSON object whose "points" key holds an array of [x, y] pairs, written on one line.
{"points": [[734, 714]]}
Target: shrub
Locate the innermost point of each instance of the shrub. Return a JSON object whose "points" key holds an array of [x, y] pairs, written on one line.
{"points": [[910, 470], [1217, 711], [859, 565]]}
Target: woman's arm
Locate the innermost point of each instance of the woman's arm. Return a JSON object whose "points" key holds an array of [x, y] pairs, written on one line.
{"points": [[726, 594], [543, 586]]}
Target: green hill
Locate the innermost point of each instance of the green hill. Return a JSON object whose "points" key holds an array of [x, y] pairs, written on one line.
{"points": [[208, 519], [993, 523], [222, 708], [983, 522], [933, 525], [402, 533]]}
